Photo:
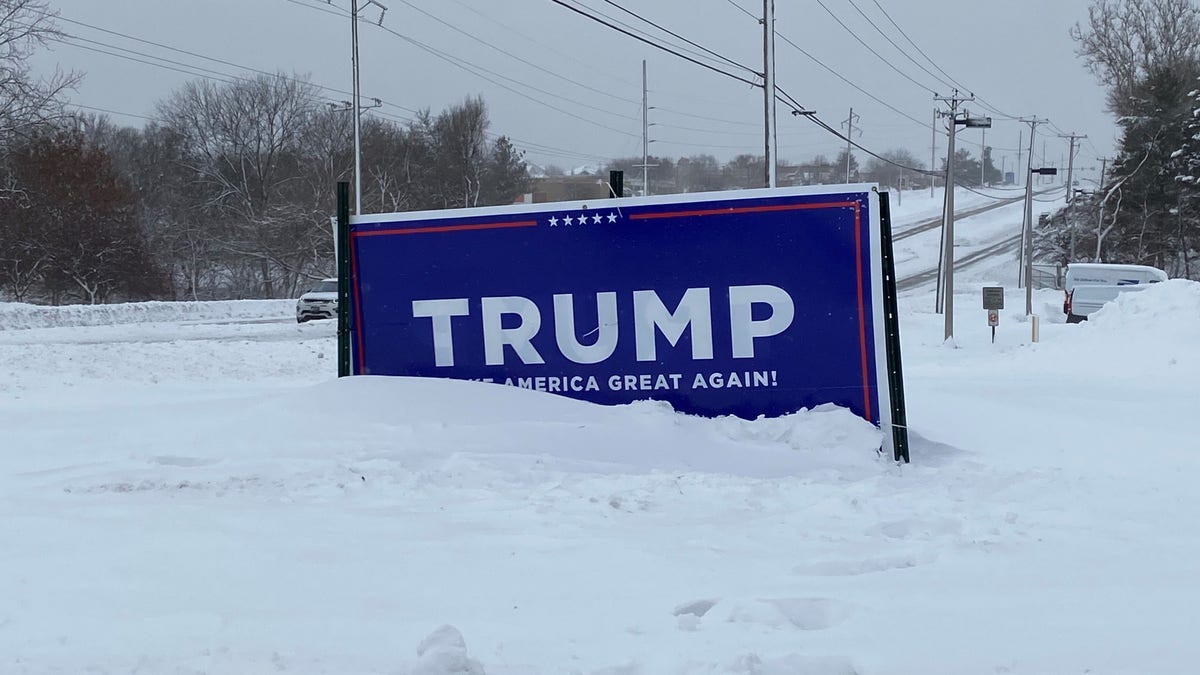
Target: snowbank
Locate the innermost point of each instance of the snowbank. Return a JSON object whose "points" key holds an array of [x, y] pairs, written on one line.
{"points": [[1138, 336], [16, 316], [513, 429], [1166, 309]]}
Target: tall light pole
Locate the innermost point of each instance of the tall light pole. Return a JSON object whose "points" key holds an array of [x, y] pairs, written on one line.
{"points": [[849, 124], [357, 96], [770, 146], [645, 166], [933, 153], [983, 156], [1027, 231]]}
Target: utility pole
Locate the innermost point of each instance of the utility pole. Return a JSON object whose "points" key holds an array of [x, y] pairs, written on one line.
{"points": [[1033, 122], [849, 124], [1020, 149], [357, 95], [1071, 166], [948, 236], [1043, 180], [1100, 221], [933, 152], [769, 87], [982, 155], [645, 165]]}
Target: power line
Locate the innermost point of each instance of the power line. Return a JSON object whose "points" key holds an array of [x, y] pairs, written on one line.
{"points": [[214, 75], [114, 112], [800, 110], [893, 43], [697, 53], [983, 102], [209, 58], [476, 70], [680, 37], [871, 49], [744, 11], [536, 41], [916, 47], [843, 78], [708, 118], [527, 62], [655, 44]]}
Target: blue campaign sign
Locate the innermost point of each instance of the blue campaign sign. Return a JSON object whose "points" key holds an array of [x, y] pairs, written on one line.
{"points": [[744, 303]]}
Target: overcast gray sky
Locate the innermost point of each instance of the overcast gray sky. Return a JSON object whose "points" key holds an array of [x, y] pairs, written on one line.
{"points": [[569, 90]]}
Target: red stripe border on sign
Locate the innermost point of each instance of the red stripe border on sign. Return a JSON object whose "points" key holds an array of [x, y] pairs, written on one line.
{"points": [[728, 211], [858, 264], [357, 302], [445, 228]]}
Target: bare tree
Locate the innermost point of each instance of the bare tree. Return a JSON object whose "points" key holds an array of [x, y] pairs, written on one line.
{"points": [[1126, 40], [460, 145], [244, 141], [26, 101]]}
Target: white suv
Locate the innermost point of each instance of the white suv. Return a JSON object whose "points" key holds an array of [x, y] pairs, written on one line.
{"points": [[319, 303]]}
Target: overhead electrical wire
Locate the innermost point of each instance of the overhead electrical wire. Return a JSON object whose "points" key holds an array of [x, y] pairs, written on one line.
{"points": [[477, 70], [603, 72], [779, 95], [574, 81], [892, 42], [483, 73], [920, 51], [868, 47], [525, 61], [745, 11], [205, 73], [629, 31], [918, 48], [646, 33], [110, 111], [678, 36], [656, 45], [213, 59]]}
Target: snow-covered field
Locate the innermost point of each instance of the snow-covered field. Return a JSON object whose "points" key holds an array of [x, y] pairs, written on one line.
{"points": [[190, 490]]}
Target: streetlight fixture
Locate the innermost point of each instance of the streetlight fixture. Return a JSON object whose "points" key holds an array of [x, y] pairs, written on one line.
{"points": [[1048, 171]]}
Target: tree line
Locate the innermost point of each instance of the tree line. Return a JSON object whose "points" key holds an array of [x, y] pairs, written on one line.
{"points": [[893, 168], [1147, 210], [228, 193]]}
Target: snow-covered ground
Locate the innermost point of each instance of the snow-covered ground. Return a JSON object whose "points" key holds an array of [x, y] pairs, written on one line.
{"points": [[190, 490]]}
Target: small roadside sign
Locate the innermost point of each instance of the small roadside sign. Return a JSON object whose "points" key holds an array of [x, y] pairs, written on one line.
{"points": [[993, 297], [993, 318]]}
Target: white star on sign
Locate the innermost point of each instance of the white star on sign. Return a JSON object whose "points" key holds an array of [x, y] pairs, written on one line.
{"points": [[612, 218], [553, 221], [596, 219], [569, 220]]}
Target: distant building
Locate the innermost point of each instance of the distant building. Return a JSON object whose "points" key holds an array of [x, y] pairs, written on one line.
{"points": [[566, 188]]}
